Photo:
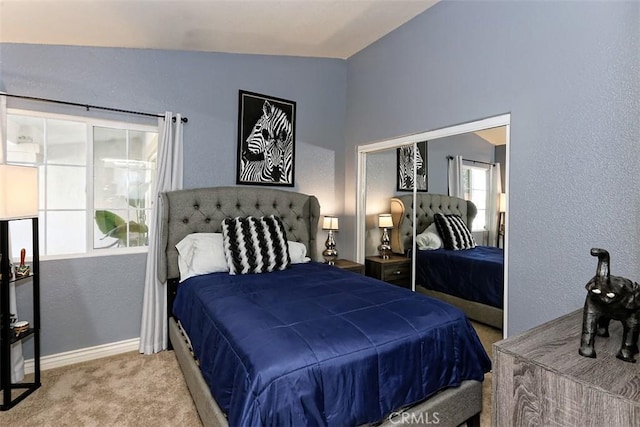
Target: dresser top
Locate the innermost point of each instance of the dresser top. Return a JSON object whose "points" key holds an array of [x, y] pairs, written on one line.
{"points": [[554, 346]]}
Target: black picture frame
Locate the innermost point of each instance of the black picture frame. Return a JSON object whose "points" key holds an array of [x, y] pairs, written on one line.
{"points": [[404, 168], [273, 123]]}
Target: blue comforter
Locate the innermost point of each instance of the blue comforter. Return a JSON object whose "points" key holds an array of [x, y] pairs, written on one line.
{"points": [[317, 345], [472, 274]]}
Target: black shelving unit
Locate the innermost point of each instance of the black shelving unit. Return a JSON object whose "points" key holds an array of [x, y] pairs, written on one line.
{"points": [[7, 335]]}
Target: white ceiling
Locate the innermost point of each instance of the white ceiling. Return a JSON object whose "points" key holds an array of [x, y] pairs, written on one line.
{"points": [[495, 136], [316, 28]]}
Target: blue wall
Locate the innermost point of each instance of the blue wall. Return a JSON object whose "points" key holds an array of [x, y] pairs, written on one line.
{"points": [[568, 72], [92, 301]]}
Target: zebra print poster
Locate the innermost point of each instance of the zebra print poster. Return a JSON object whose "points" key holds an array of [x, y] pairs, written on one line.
{"points": [[405, 168], [266, 140]]}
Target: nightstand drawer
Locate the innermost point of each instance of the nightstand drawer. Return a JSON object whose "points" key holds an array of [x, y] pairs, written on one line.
{"points": [[395, 269], [397, 272]]}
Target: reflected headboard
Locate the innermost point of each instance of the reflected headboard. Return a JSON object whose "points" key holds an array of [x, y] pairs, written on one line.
{"points": [[202, 210], [428, 205]]}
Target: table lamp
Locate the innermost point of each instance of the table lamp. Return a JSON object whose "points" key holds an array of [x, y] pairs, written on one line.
{"points": [[330, 223], [18, 192]]}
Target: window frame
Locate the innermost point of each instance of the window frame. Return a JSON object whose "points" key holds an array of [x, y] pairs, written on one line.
{"points": [[89, 208]]}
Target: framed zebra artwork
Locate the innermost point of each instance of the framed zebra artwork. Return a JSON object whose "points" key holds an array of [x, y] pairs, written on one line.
{"points": [[266, 140], [405, 177]]}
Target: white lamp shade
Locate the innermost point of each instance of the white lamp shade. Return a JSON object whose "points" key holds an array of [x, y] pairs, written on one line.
{"points": [[18, 192], [330, 222], [502, 205], [385, 221]]}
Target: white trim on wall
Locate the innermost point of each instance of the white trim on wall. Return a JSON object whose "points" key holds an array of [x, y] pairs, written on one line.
{"points": [[83, 355], [361, 184]]}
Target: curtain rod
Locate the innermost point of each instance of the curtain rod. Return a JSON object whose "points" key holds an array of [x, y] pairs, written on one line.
{"points": [[88, 106], [473, 161]]}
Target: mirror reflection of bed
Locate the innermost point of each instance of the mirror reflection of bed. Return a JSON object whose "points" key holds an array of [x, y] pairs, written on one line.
{"points": [[470, 278], [476, 283]]}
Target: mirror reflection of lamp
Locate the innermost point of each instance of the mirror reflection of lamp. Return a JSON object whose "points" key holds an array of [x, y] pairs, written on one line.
{"points": [[330, 223], [385, 222]]}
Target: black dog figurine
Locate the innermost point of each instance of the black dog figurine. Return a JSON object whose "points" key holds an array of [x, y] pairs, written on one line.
{"points": [[610, 297]]}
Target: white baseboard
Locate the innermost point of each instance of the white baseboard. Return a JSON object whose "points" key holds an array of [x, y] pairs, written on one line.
{"points": [[82, 355]]}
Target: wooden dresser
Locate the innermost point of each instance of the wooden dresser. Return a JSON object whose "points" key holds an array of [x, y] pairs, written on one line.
{"points": [[539, 379]]}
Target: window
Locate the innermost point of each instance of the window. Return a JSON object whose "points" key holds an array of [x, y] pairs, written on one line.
{"points": [[96, 180], [476, 189]]}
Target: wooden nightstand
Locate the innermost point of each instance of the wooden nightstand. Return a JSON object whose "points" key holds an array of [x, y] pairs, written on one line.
{"points": [[395, 270], [345, 264]]}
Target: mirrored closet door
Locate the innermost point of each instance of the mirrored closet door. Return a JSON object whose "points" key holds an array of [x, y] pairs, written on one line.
{"points": [[459, 173]]}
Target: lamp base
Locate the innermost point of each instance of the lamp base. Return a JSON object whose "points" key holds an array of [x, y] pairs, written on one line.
{"points": [[330, 255], [385, 247], [385, 251]]}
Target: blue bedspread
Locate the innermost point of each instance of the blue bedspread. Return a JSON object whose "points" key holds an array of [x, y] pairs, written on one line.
{"points": [[473, 274], [317, 345]]}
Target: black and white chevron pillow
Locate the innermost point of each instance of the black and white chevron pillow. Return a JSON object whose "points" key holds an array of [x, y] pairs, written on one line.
{"points": [[454, 232], [255, 245]]}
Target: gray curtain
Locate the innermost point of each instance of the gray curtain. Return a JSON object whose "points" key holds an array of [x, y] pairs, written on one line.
{"points": [[455, 177], [169, 173]]}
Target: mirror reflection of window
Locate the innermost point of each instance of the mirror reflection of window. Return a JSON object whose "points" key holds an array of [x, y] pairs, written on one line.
{"points": [[475, 182]]}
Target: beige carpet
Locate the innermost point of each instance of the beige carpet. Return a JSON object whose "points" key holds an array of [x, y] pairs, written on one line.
{"points": [[488, 336], [135, 390], [124, 390]]}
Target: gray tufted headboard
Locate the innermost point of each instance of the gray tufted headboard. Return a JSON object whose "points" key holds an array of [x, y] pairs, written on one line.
{"points": [[428, 205], [202, 210]]}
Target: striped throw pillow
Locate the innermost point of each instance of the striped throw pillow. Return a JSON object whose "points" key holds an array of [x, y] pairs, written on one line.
{"points": [[454, 232], [255, 245]]}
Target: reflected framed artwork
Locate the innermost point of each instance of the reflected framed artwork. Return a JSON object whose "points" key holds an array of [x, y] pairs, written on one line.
{"points": [[405, 160]]}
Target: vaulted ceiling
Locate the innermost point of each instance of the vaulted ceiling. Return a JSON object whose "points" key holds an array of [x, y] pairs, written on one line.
{"points": [[314, 28]]}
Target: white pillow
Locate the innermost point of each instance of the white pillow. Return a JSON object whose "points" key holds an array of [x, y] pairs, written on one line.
{"points": [[429, 239], [298, 252], [203, 253]]}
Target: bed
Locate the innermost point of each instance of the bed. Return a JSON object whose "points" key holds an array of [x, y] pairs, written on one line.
{"points": [[472, 279], [254, 372]]}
